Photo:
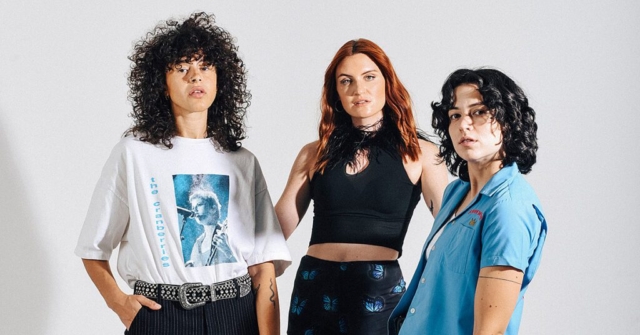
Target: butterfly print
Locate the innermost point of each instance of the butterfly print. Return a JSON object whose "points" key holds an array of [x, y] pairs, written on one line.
{"points": [[296, 307], [330, 305], [373, 305]]}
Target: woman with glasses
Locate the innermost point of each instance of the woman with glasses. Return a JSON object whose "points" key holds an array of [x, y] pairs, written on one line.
{"points": [[486, 242]]}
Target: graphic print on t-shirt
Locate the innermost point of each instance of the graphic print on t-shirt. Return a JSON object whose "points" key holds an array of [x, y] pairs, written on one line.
{"points": [[203, 203]]}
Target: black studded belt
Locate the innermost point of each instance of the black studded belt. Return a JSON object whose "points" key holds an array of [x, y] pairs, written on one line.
{"points": [[192, 295]]}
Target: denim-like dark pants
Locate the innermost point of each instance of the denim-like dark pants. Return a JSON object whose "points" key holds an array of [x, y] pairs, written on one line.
{"points": [[236, 316]]}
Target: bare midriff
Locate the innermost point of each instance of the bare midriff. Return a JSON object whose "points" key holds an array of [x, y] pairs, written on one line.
{"points": [[350, 252]]}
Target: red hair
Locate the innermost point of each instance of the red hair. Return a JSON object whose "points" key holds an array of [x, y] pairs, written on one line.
{"points": [[397, 108]]}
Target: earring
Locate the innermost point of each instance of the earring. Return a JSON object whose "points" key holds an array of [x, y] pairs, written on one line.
{"points": [[337, 106]]}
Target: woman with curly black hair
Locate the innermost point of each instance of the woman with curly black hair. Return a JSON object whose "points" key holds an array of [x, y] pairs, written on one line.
{"points": [[199, 241], [486, 242], [168, 45]]}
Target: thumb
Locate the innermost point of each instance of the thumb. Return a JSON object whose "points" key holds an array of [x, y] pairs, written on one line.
{"points": [[144, 301]]}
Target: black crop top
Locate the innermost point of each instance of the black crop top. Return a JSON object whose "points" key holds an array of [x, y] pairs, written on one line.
{"points": [[371, 207]]}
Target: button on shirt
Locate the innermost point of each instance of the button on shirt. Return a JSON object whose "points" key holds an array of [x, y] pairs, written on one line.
{"points": [[503, 226]]}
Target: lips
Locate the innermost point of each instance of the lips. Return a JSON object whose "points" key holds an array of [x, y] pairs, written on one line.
{"points": [[466, 140], [361, 102], [197, 91]]}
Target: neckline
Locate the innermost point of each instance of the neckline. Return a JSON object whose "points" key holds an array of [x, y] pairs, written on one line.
{"points": [[360, 173], [187, 140]]}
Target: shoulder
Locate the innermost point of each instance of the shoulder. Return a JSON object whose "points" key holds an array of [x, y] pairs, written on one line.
{"points": [[125, 147], [244, 160], [127, 142], [517, 203], [454, 186], [428, 152], [242, 157], [521, 190], [427, 147], [132, 143], [515, 191], [307, 154], [303, 165], [310, 149], [522, 194], [244, 153]]}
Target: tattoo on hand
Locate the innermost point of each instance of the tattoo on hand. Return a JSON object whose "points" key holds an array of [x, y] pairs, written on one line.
{"points": [[273, 293], [512, 281], [431, 207], [255, 289]]}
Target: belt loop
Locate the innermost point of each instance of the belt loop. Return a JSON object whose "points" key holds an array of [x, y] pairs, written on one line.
{"points": [[158, 296], [236, 283], [238, 286], [214, 297]]}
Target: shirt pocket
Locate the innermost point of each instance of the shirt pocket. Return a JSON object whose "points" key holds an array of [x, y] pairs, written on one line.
{"points": [[456, 255]]}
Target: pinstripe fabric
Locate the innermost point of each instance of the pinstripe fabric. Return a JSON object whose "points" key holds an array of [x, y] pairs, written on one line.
{"points": [[223, 317]]}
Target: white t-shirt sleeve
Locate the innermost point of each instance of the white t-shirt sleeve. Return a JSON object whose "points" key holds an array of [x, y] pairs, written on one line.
{"points": [[269, 242], [108, 215]]}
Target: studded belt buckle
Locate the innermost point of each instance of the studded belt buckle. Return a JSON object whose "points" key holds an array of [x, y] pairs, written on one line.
{"points": [[182, 296]]}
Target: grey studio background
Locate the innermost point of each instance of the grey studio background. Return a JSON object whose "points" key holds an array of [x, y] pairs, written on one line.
{"points": [[63, 105]]}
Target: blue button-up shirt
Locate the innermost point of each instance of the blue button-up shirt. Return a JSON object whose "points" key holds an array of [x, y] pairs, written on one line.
{"points": [[502, 226]]}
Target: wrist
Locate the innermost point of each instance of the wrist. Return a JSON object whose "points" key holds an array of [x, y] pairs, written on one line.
{"points": [[115, 299]]}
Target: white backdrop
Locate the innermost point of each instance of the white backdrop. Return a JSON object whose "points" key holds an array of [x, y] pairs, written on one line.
{"points": [[63, 106]]}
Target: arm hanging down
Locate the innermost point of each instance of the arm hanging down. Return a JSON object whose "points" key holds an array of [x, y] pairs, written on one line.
{"points": [[295, 198], [496, 297], [124, 305], [263, 278]]}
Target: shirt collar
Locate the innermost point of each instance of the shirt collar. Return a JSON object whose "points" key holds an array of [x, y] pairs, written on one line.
{"points": [[502, 177], [496, 183]]}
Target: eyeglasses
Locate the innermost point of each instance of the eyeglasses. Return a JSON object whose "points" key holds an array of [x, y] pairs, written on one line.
{"points": [[478, 117]]}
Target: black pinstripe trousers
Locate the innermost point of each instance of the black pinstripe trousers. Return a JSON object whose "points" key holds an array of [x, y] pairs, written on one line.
{"points": [[235, 316]]}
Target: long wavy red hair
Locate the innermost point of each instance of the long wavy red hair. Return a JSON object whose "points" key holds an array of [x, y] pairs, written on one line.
{"points": [[397, 107]]}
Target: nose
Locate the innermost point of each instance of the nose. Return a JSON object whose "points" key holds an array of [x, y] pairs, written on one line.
{"points": [[465, 122], [358, 87], [196, 75]]}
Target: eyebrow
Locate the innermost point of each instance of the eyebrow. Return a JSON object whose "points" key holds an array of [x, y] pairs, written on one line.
{"points": [[365, 72], [189, 61], [480, 103]]}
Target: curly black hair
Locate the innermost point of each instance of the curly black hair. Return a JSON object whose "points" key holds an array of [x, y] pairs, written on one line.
{"points": [[510, 108], [166, 45]]}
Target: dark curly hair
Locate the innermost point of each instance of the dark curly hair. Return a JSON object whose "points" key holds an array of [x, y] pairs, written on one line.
{"points": [[166, 45], [510, 108]]}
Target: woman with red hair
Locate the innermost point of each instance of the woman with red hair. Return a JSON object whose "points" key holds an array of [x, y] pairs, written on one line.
{"points": [[365, 174]]}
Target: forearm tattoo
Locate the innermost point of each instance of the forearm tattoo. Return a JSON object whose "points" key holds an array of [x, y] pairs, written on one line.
{"points": [[273, 293], [512, 281], [431, 207]]}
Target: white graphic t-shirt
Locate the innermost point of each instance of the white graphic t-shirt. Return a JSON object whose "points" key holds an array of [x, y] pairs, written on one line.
{"points": [[186, 214]]}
